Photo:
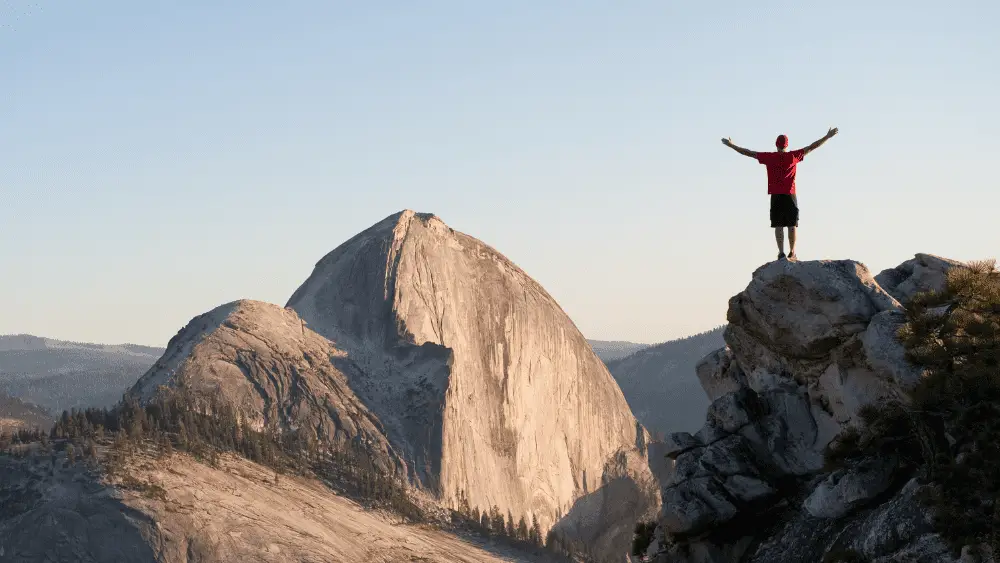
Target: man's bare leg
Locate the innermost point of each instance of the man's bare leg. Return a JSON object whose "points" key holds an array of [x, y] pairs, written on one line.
{"points": [[779, 237], [791, 243]]}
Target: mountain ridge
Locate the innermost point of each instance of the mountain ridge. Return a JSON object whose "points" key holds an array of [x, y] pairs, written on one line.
{"points": [[660, 383], [457, 371], [448, 333], [60, 375]]}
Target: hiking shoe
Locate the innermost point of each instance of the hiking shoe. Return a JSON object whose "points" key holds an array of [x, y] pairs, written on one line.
{"points": [[781, 256], [793, 257]]}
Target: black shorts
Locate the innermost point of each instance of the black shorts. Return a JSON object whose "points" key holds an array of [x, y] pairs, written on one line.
{"points": [[784, 210]]}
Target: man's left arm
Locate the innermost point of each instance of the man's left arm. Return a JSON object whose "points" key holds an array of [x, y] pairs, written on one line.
{"points": [[829, 135]]}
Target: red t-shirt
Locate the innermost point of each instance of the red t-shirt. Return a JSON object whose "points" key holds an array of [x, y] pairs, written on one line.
{"points": [[781, 170]]}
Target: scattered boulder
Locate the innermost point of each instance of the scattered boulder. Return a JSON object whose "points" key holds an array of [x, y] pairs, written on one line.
{"points": [[924, 272], [846, 489], [719, 374]]}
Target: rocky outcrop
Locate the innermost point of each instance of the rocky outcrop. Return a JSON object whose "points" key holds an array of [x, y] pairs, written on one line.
{"points": [[477, 374], [924, 272], [719, 374], [808, 344], [262, 359]]}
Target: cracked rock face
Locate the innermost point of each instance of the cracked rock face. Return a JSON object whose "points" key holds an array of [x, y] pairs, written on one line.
{"points": [[808, 345], [262, 359], [846, 489], [924, 272], [719, 374]]}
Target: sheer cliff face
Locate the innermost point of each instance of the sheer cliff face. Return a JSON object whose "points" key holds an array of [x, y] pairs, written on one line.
{"points": [[475, 370], [262, 359]]}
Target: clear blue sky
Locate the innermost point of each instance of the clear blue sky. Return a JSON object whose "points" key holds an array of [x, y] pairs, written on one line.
{"points": [[159, 158]]}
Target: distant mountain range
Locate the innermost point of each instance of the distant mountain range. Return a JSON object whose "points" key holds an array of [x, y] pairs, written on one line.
{"points": [[58, 375], [658, 381], [610, 350], [660, 384]]}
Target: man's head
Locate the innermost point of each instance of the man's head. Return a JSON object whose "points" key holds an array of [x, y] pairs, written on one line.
{"points": [[781, 142]]}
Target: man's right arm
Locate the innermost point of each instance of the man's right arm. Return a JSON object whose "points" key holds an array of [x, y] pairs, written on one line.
{"points": [[741, 150], [829, 135]]}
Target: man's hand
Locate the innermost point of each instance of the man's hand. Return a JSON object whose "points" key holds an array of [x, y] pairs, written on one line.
{"points": [[727, 141], [829, 134]]}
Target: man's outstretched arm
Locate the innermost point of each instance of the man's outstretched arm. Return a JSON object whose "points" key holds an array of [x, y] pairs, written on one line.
{"points": [[829, 135], [741, 150]]}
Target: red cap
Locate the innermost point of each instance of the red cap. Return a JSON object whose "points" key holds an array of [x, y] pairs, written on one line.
{"points": [[781, 142]]}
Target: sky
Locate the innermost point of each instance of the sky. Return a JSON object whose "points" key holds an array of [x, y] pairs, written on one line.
{"points": [[160, 158]]}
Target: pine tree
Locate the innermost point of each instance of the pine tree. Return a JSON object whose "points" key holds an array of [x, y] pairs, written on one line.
{"points": [[484, 522], [496, 521], [463, 504], [535, 535], [522, 530]]}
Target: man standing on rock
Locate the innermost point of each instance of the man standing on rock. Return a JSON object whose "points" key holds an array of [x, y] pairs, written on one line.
{"points": [[781, 186]]}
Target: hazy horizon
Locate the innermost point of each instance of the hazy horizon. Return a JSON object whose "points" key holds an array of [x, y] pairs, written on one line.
{"points": [[165, 159]]}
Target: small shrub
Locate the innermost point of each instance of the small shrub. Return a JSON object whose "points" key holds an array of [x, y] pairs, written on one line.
{"points": [[642, 537]]}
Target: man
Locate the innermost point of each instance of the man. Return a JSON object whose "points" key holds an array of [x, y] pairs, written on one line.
{"points": [[781, 186]]}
